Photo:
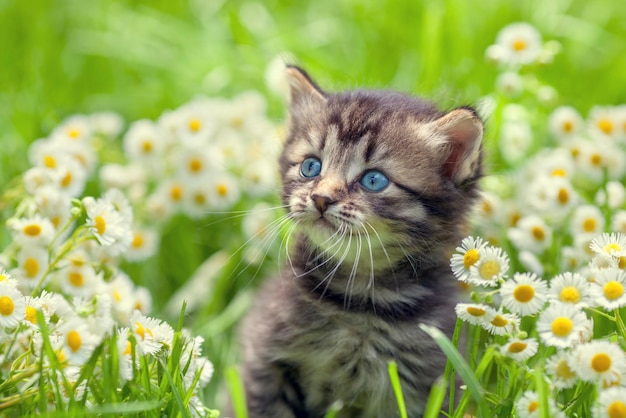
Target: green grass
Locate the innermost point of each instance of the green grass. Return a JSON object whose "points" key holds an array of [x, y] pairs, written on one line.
{"points": [[140, 58]]}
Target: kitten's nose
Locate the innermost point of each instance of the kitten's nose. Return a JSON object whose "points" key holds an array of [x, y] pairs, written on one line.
{"points": [[322, 202]]}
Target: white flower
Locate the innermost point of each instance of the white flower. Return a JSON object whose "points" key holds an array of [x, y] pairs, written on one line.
{"points": [[32, 264], [570, 288], [223, 191], [618, 222], [81, 280], [610, 244], [520, 350], [151, 334], [524, 294], [616, 195], [76, 128], [587, 219], [196, 122], [117, 176], [475, 313], [109, 124], [144, 143], [196, 201], [604, 123], [77, 342], [144, 244], [562, 375], [531, 262], [562, 325], [565, 122], [521, 43], [12, 304], [601, 361], [121, 290], [71, 177], [532, 234], [259, 178], [108, 225], [196, 162], [510, 83], [611, 403], [491, 267], [515, 140], [502, 324], [125, 355], [53, 205], [609, 289], [36, 230]]}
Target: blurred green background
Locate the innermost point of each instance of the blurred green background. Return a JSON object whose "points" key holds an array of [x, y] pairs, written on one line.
{"points": [[140, 58]]}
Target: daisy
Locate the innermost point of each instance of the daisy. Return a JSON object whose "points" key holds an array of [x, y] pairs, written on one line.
{"points": [[196, 162], [609, 289], [520, 42], [151, 334], [565, 122], [76, 128], [591, 160], [125, 355], [587, 219], [511, 84], [601, 361], [259, 178], [144, 244], [475, 313], [77, 342], [616, 196], [524, 294], [36, 230], [118, 176], [12, 305], [529, 406], [53, 205], [108, 225], [71, 177], [197, 201], [109, 124], [515, 140], [562, 325], [520, 350], [32, 264], [570, 288], [491, 267], [501, 324], [611, 403], [618, 222], [121, 290], [531, 262], [143, 142], [613, 244], [196, 124], [223, 191], [80, 280], [531, 234], [604, 123], [562, 375]]}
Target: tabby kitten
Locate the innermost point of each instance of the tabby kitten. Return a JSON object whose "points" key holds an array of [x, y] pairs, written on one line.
{"points": [[379, 185]]}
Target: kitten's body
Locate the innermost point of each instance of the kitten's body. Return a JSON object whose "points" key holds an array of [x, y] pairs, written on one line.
{"points": [[369, 265]]}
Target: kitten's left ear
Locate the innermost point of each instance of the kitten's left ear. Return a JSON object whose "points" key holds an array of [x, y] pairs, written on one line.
{"points": [[462, 133], [302, 87]]}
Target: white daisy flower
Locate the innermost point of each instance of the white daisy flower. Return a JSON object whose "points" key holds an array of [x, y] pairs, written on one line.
{"points": [[510, 83], [515, 141], [587, 219], [80, 280], [121, 290], [72, 177], [562, 325], [259, 178], [614, 196], [223, 191], [611, 244], [570, 288], [611, 403], [591, 160], [151, 334], [502, 324], [528, 405], [604, 123], [76, 128], [143, 300], [565, 122], [35, 230], [144, 244], [524, 294], [53, 205], [490, 269], [32, 264], [520, 350], [109, 124], [77, 342], [196, 162], [475, 313], [618, 222], [572, 258], [531, 234], [144, 143], [609, 289], [125, 355], [196, 122], [108, 225], [521, 43], [12, 305], [197, 201], [531, 262], [467, 254], [118, 176], [600, 361], [558, 367]]}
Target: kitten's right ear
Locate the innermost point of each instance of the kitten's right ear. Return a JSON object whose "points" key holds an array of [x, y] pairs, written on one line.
{"points": [[302, 87]]}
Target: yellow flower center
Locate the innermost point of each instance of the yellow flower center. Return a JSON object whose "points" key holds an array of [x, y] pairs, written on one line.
{"points": [[470, 258], [67, 179], [137, 240], [139, 329], [195, 165], [616, 410], [562, 326], [222, 190], [621, 262], [489, 269], [487, 207], [117, 296], [613, 247], [6, 306], [500, 321], [128, 350], [563, 196], [519, 45], [199, 198], [589, 225], [533, 406], [147, 146], [524, 293], [73, 133], [601, 362], [74, 341], [49, 161], [538, 233], [613, 290], [569, 294], [596, 159], [517, 347], [194, 124], [568, 126], [32, 230], [474, 311], [76, 278], [564, 371], [236, 122], [31, 314], [100, 224], [559, 172], [606, 126], [176, 192], [31, 267]]}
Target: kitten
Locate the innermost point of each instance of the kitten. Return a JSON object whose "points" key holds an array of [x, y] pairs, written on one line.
{"points": [[380, 185]]}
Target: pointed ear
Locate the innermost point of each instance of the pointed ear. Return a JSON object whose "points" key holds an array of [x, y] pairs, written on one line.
{"points": [[302, 87], [461, 131]]}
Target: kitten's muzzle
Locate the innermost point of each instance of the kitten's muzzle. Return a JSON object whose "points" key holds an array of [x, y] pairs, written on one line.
{"points": [[322, 202]]}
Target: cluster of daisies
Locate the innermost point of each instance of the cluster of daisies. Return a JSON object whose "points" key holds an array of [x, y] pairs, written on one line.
{"points": [[63, 297], [545, 217]]}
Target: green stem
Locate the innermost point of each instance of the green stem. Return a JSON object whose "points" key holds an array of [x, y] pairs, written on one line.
{"points": [[621, 327]]}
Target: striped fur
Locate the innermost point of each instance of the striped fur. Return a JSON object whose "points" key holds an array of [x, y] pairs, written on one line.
{"points": [[370, 266]]}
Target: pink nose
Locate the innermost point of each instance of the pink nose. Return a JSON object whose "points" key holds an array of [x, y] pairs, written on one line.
{"points": [[322, 202]]}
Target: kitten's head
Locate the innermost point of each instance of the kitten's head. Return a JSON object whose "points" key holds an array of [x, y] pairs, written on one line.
{"points": [[378, 169]]}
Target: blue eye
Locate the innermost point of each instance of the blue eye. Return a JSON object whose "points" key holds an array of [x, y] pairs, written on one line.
{"points": [[374, 181], [311, 167]]}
